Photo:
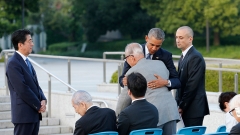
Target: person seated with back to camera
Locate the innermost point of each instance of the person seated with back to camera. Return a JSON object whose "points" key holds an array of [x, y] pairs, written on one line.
{"points": [[235, 112], [94, 119], [140, 114], [223, 100]]}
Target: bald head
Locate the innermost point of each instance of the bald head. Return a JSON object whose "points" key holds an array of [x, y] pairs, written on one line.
{"points": [[188, 30]]}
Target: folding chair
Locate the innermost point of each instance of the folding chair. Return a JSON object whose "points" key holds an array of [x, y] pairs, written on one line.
{"points": [[147, 131], [221, 128], [194, 130], [218, 133], [106, 133]]}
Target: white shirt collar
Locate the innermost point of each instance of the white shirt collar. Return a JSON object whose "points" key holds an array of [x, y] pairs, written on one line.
{"points": [[146, 52], [23, 56], [185, 51], [138, 99]]}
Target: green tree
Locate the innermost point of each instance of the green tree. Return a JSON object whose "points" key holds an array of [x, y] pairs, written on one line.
{"points": [[11, 14], [223, 15], [99, 16]]}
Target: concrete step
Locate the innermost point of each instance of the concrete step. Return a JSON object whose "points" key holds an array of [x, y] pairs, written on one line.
{"points": [[5, 115], [44, 122], [5, 107], [44, 130], [5, 99]]}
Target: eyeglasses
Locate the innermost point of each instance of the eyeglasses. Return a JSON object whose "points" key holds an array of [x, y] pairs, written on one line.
{"points": [[125, 58], [231, 112]]}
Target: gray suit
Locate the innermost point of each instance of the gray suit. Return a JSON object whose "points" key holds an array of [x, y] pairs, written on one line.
{"points": [[160, 97]]}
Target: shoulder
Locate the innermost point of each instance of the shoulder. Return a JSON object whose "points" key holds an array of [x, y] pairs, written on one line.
{"points": [[235, 129]]}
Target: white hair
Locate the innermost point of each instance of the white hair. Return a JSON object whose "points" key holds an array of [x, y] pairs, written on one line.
{"points": [[81, 96], [133, 49], [235, 102]]}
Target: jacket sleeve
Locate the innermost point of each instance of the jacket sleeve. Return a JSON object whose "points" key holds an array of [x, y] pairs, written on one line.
{"points": [[16, 78], [78, 129], [173, 75], [126, 67], [123, 124]]}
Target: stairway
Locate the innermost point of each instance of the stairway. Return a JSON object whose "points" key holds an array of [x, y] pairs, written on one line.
{"points": [[48, 126]]}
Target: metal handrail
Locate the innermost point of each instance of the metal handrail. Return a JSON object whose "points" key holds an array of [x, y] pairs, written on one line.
{"points": [[220, 69], [10, 52]]}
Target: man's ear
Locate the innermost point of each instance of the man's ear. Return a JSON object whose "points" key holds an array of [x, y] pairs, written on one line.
{"points": [[237, 111], [146, 38], [129, 92]]}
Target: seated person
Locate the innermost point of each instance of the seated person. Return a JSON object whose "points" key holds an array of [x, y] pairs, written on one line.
{"points": [[235, 112], [223, 100], [94, 119], [140, 114]]}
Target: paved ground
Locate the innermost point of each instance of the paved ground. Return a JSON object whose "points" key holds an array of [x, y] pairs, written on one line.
{"points": [[84, 75]]}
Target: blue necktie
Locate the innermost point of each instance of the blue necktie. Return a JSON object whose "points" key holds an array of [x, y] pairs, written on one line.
{"points": [[148, 56], [29, 65]]}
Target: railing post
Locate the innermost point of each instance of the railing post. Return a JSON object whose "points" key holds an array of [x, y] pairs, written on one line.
{"points": [[5, 66], [49, 96], [69, 74], [119, 73], [236, 83], [121, 63], [104, 68], [220, 78]]}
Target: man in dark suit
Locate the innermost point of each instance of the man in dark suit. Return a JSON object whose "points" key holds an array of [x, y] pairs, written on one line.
{"points": [[152, 50], [191, 97], [140, 114], [94, 119], [27, 98]]}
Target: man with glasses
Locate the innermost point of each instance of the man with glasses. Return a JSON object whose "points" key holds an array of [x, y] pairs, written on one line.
{"points": [[235, 112], [152, 50], [161, 98]]}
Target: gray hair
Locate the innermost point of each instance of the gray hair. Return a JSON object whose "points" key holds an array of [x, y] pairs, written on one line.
{"points": [[81, 96], [134, 49], [157, 33], [235, 102], [189, 30]]}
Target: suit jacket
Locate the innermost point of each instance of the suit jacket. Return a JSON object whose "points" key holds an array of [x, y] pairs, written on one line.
{"points": [[235, 130], [96, 120], [139, 115], [191, 97], [166, 58], [25, 91], [160, 97]]}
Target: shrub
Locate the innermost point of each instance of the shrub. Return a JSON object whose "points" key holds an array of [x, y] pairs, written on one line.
{"points": [[114, 78]]}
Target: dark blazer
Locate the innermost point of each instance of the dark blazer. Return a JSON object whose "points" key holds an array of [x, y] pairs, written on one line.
{"points": [[191, 97], [235, 130], [139, 115], [166, 58], [25, 91], [96, 120]]}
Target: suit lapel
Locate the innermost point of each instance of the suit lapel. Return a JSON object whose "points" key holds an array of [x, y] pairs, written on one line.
{"points": [[180, 69], [24, 65]]}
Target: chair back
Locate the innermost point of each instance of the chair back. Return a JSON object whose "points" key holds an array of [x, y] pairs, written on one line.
{"points": [[221, 128], [106, 133], [193, 130], [218, 133], [147, 131]]}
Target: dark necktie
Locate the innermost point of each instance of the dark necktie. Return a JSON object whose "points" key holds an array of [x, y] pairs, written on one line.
{"points": [[180, 60], [148, 56], [29, 65]]}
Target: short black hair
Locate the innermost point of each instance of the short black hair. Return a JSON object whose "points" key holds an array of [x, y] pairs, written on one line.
{"points": [[19, 36], [225, 97], [137, 84]]}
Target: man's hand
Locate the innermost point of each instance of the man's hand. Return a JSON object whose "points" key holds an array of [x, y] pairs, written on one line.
{"points": [[158, 83], [180, 111], [124, 81], [43, 106]]}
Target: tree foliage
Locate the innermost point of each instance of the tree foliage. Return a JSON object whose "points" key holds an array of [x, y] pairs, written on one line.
{"points": [[99, 16], [222, 15]]}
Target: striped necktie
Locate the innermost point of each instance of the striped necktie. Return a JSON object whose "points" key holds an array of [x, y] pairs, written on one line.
{"points": [[148, 56]]}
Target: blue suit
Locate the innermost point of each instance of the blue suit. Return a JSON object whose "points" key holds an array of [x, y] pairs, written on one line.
{"points": [[166, 58], [26, 94]]}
